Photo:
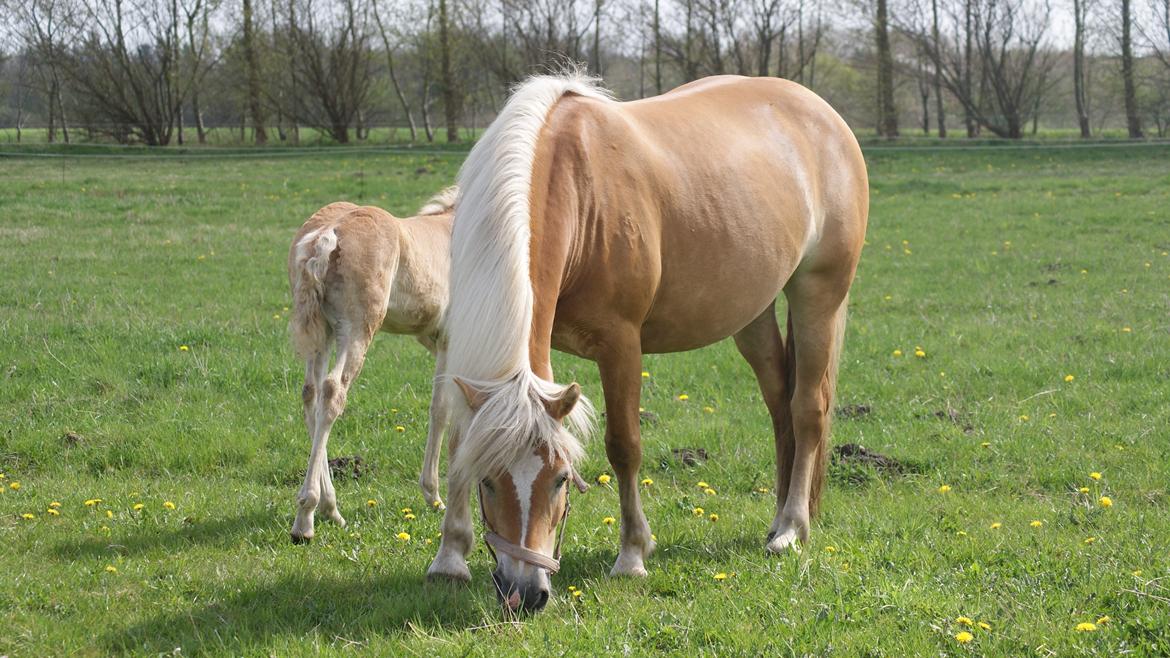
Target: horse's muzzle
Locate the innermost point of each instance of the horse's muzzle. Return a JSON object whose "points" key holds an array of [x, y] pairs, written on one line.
{"points": [[520, 597]]}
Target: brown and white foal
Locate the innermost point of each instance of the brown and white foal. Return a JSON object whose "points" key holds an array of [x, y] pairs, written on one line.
{"points": [[354, 271]]}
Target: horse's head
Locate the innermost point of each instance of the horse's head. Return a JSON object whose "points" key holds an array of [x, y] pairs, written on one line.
{"points": [[524, 495]]}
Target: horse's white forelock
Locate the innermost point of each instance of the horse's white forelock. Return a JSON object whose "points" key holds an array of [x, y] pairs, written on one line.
{"points": [[489, 320]]}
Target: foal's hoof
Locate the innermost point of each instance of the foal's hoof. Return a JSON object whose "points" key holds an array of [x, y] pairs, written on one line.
{"points": [[300, 539]]}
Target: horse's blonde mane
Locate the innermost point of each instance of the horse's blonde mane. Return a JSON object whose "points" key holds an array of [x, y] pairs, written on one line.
{"points": [[489, 320]]}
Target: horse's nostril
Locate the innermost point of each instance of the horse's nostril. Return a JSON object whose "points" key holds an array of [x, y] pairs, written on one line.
{"points": [[540, 600]]}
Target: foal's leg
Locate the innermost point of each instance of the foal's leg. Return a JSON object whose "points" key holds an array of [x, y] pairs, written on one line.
{"points": [[458, 533], [429, 478], [317, 492], [817, 307], [621, 377]]}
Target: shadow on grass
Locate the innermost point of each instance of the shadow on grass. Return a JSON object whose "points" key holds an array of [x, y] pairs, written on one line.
{"points": [[238, 618], [149, 536]]}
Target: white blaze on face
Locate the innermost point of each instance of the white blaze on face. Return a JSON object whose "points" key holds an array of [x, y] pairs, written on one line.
{"points": [[523, 474]]}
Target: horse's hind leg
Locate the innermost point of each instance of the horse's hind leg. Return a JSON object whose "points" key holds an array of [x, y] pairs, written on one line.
{"points": [[329, 397], [817, 306], [764, 350]]}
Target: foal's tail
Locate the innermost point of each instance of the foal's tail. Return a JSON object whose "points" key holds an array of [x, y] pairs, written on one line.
{"points": [[308, 326], [787, 452]]}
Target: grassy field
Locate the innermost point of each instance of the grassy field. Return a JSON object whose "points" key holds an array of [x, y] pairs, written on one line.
{"points": [[144, 361]]}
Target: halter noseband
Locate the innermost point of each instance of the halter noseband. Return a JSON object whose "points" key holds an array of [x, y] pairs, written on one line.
{"points": [[495, 542]]}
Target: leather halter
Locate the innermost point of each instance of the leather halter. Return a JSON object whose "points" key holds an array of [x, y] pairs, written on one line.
{"points": [[495, 542]]}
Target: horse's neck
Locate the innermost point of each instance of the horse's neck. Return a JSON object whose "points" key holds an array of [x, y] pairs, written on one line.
{"points": [[554, 232]]}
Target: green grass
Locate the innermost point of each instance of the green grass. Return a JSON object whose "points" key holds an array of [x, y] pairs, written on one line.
{"points": [[1010, 269]]}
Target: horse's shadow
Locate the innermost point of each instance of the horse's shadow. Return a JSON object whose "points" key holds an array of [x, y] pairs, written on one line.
{"points": [[214, 532], [240, 616]]}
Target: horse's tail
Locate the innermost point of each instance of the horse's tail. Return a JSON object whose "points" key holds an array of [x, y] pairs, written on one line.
{"points": [[787, 444], [308, 325]]}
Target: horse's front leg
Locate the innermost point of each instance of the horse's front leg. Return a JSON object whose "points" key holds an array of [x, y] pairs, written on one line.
{"points": [[621, 377], [428, 479], [458, 533]]}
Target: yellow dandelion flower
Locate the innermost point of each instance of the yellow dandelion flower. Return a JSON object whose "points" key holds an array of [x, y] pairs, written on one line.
{"points": [[28, 517], [698, 511], [577, 593], [1024, 418], [703, 485], [1126, 330], [409, 517], [966, 621], [763, 490], [111, 568], [572, 588], [964, 637], [1137, 573], [709, 491], [55, 505], [609, 520], [709, 410], [184, 348], [1106, 501], [1037, 523], [645, 375], [919, 352], [405, 510], [168, 505], [437, 504], [647, 482], [1095, 475], [1103, 620], [371, 503], [138, 507], [944, 488], [399, 428], [961, 533], [1086, 627], [1069, 378], [714, 518], [15, 486], [603, 478], [52, 511], [985, 626], [403, 536], [1089, 540], [109, 514], [92, 502], [996, 526], [985, 444], [897, 352], [830, 549], [1083, 490], [683, 397], [720, 576]]}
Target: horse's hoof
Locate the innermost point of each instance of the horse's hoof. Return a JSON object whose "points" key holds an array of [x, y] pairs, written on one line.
{"points": [[782, 542], [445, 567], [300, 539], [628, 565], [448, 577]]}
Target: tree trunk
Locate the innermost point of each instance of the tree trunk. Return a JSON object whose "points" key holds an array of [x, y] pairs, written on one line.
{"points": [[197, 109], [1133, 119], [657, 49], [887, 111], [251, 61], [968, 87], [940, 112], [450, 94], [1079, 67]]}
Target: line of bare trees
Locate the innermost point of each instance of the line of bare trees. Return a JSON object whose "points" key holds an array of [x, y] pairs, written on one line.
{"points": [[156, 71]]}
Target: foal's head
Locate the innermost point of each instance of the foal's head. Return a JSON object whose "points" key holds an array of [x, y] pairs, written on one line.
{"points": [[523, 490]]}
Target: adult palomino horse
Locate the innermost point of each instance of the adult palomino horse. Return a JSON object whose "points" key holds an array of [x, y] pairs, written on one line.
{"points": [[609, 230], [354, 271]]}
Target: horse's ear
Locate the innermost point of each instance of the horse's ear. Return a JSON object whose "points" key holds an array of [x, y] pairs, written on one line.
{"points": [[560, 406], [475, 397]]}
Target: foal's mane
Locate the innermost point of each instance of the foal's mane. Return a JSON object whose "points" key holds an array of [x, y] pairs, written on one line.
{"points": [[489, 320]]}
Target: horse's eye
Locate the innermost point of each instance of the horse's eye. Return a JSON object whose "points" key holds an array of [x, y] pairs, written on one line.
{"points": [[488, 485], [561, 481]]}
